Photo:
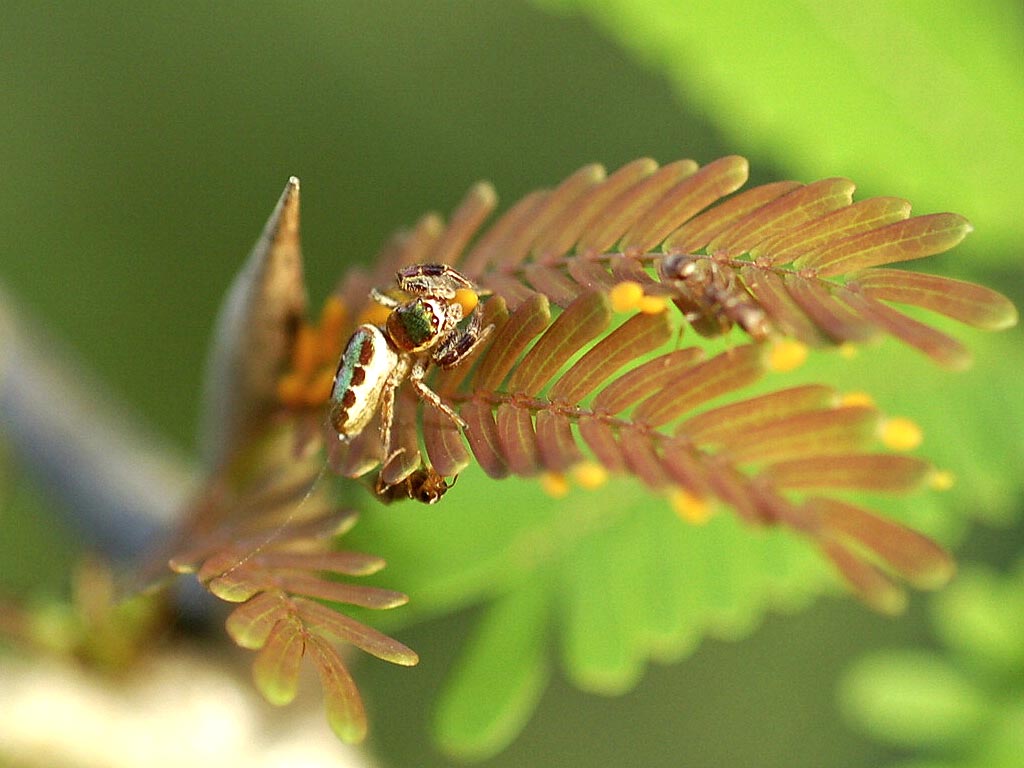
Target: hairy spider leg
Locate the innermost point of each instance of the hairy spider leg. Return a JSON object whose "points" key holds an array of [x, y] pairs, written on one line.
{"points": [[383, 299], [419, 370], [458, 346]]}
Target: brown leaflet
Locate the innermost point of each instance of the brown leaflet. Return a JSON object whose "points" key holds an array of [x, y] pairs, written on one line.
{"points": [[474, 209], [700, 230], [862, 216], [443, 442], [631, 340], [578, 324], [831, 432], [878, 472], [830, 315], [943, 349], [915, 557], [646, 379], [529, 319], [913, 238], [684, 201], [629, 206], [553, 283], [769, 291], [724, 373], [969, 303], [555, 442], [517, 439], [561, 234], [781, 214], [600, 437], [482, 434], [517, 245], [493, 243]]}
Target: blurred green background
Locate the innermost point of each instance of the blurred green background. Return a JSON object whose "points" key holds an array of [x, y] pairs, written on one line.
{"points": [[144, 145]]}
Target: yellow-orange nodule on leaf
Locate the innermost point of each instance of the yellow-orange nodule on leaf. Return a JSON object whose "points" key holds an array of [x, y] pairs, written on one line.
{"points": [[343, 705], [554, 484], [786, 355], [900, 434], [941, 480], [905, 240], [690, 508], [625, 296], [276, 667], [966, 302], [589, 475], [578, 324]]}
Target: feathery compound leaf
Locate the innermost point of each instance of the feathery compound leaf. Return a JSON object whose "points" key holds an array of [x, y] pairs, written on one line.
{"points": [[561, 364], [279, 559]]}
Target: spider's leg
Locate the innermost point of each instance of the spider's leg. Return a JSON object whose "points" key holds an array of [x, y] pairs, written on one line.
{"points": [[383, 299], [387, 405], [460, 346], [419, 370]]}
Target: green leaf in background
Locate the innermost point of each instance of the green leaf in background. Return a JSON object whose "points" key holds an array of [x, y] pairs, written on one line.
{"points": [[500, 678], [965, 707], [918, 98], [614, 576]]}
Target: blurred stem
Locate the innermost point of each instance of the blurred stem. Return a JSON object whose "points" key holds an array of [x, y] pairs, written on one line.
{"points": [[118, 483]]}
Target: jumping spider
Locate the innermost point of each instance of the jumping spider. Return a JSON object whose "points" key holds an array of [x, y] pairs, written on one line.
{"points": [[419, 332]]}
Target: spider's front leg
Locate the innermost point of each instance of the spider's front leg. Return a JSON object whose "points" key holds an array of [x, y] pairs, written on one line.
{"points": [[383, 299], [419, 370], [459, 345]]}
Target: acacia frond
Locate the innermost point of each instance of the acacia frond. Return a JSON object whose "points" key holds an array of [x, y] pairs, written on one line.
{"points": [[563, 377], [805, 255], [273, 555]]}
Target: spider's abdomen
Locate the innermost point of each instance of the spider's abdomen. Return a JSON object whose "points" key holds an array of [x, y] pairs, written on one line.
{"points": [[363, 371]]}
